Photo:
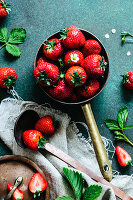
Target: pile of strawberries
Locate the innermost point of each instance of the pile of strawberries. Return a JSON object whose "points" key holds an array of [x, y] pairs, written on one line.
{"points": [[71, 67]]}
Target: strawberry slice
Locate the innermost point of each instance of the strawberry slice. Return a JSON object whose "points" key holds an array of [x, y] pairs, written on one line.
{"points": [[123, 157], [17, 195], [37, 184]]}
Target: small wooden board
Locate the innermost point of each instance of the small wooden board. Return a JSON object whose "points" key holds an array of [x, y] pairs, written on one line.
{"points": [[12, 166]]}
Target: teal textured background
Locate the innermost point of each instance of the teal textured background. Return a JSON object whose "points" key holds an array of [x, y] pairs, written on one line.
{"points": [[45, 17]]}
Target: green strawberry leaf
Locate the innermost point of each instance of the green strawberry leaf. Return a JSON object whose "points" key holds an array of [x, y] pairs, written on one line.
{"points": [[128, 127], [3, 34], [13, 50], [122, 116], [17, 36], [76, 181], [41, 142], [64, 198], [92, 192], [112, 124]]}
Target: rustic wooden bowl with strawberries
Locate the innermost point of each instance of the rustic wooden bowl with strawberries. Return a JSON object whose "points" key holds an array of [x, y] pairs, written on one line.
{"points": [[101, 154]]}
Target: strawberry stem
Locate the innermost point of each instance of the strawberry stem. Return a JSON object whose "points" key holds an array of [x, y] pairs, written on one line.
{"points": [[64, 34], [41, 143], [42, 76], [9, 81], [50, 45], [2, 46], [76, 79]]}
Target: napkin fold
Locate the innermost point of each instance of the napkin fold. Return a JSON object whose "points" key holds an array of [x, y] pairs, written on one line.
{"points": [[68, 138]]}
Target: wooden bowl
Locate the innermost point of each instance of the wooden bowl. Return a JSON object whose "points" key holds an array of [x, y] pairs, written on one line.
{"points": [[12, 166]]}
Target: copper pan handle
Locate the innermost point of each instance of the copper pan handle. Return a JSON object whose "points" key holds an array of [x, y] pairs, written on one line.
{"points": [[101, 155]]}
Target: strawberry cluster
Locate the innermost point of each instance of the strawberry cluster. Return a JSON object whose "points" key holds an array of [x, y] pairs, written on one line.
{"points": [[71, 67]]}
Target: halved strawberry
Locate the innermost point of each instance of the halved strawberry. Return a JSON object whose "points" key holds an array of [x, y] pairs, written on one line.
{"points": [[37, 184], [123, 157], [17, 195]]}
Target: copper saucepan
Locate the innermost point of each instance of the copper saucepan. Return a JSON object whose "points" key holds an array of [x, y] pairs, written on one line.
{"points": [[100, 151]]}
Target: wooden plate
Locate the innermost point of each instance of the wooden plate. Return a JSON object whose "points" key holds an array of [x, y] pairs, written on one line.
{"points": [[12, 166]]}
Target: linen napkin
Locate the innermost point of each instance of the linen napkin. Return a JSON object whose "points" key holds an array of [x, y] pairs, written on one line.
{"points": [[68, 138]]}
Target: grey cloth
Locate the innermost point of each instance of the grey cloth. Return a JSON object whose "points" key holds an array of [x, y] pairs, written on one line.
{"points": [[68, 139]]}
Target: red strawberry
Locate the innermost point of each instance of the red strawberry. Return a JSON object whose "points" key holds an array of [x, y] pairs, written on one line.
{"points": [[37, 184], [123, 157], [94, 65], [33, 139], [128, 80], [53, 49], [4, 9], [91, 47], [72, 37], [73, 57], [89, 89], [75, 76], [17, 195], [8, 77], [61, 90], [41, 60], [45, 125], [46, 74]]}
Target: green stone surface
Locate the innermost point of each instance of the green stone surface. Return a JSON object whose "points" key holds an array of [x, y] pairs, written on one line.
{"points": [[45, 17]]}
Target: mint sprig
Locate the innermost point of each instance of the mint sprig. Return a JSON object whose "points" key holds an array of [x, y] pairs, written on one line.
{"points": [[16, 36], [76, 181], [119, 126], [124, 36], [92, 192]]}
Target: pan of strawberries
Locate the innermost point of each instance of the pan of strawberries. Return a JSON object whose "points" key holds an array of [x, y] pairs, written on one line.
{"points": [[72, 67]]}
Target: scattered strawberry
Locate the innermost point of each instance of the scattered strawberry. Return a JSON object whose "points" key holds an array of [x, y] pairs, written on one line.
{"points": [[89, 89], [128, 80], [17, 195], [8, 77], [72, 37], [4, 9], [73, 57], [61, 90], [94, 65], [53, 49], [33, 139], [75, 76], [123, 157], [46, 74], [37, 184], [91, 47], [45, 125], [41, 60]]}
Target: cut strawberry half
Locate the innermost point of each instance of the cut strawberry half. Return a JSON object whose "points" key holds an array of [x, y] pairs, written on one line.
{"points": [[17, 195], [37, 184]]}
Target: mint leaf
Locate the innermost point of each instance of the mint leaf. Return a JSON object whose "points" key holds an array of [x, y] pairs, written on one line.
{"points": [[13, 50], [128, 127], [64, 198], [76, 181], [122, 116], [92, 192], [112, 124], [17, 36], [3, 34]]}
